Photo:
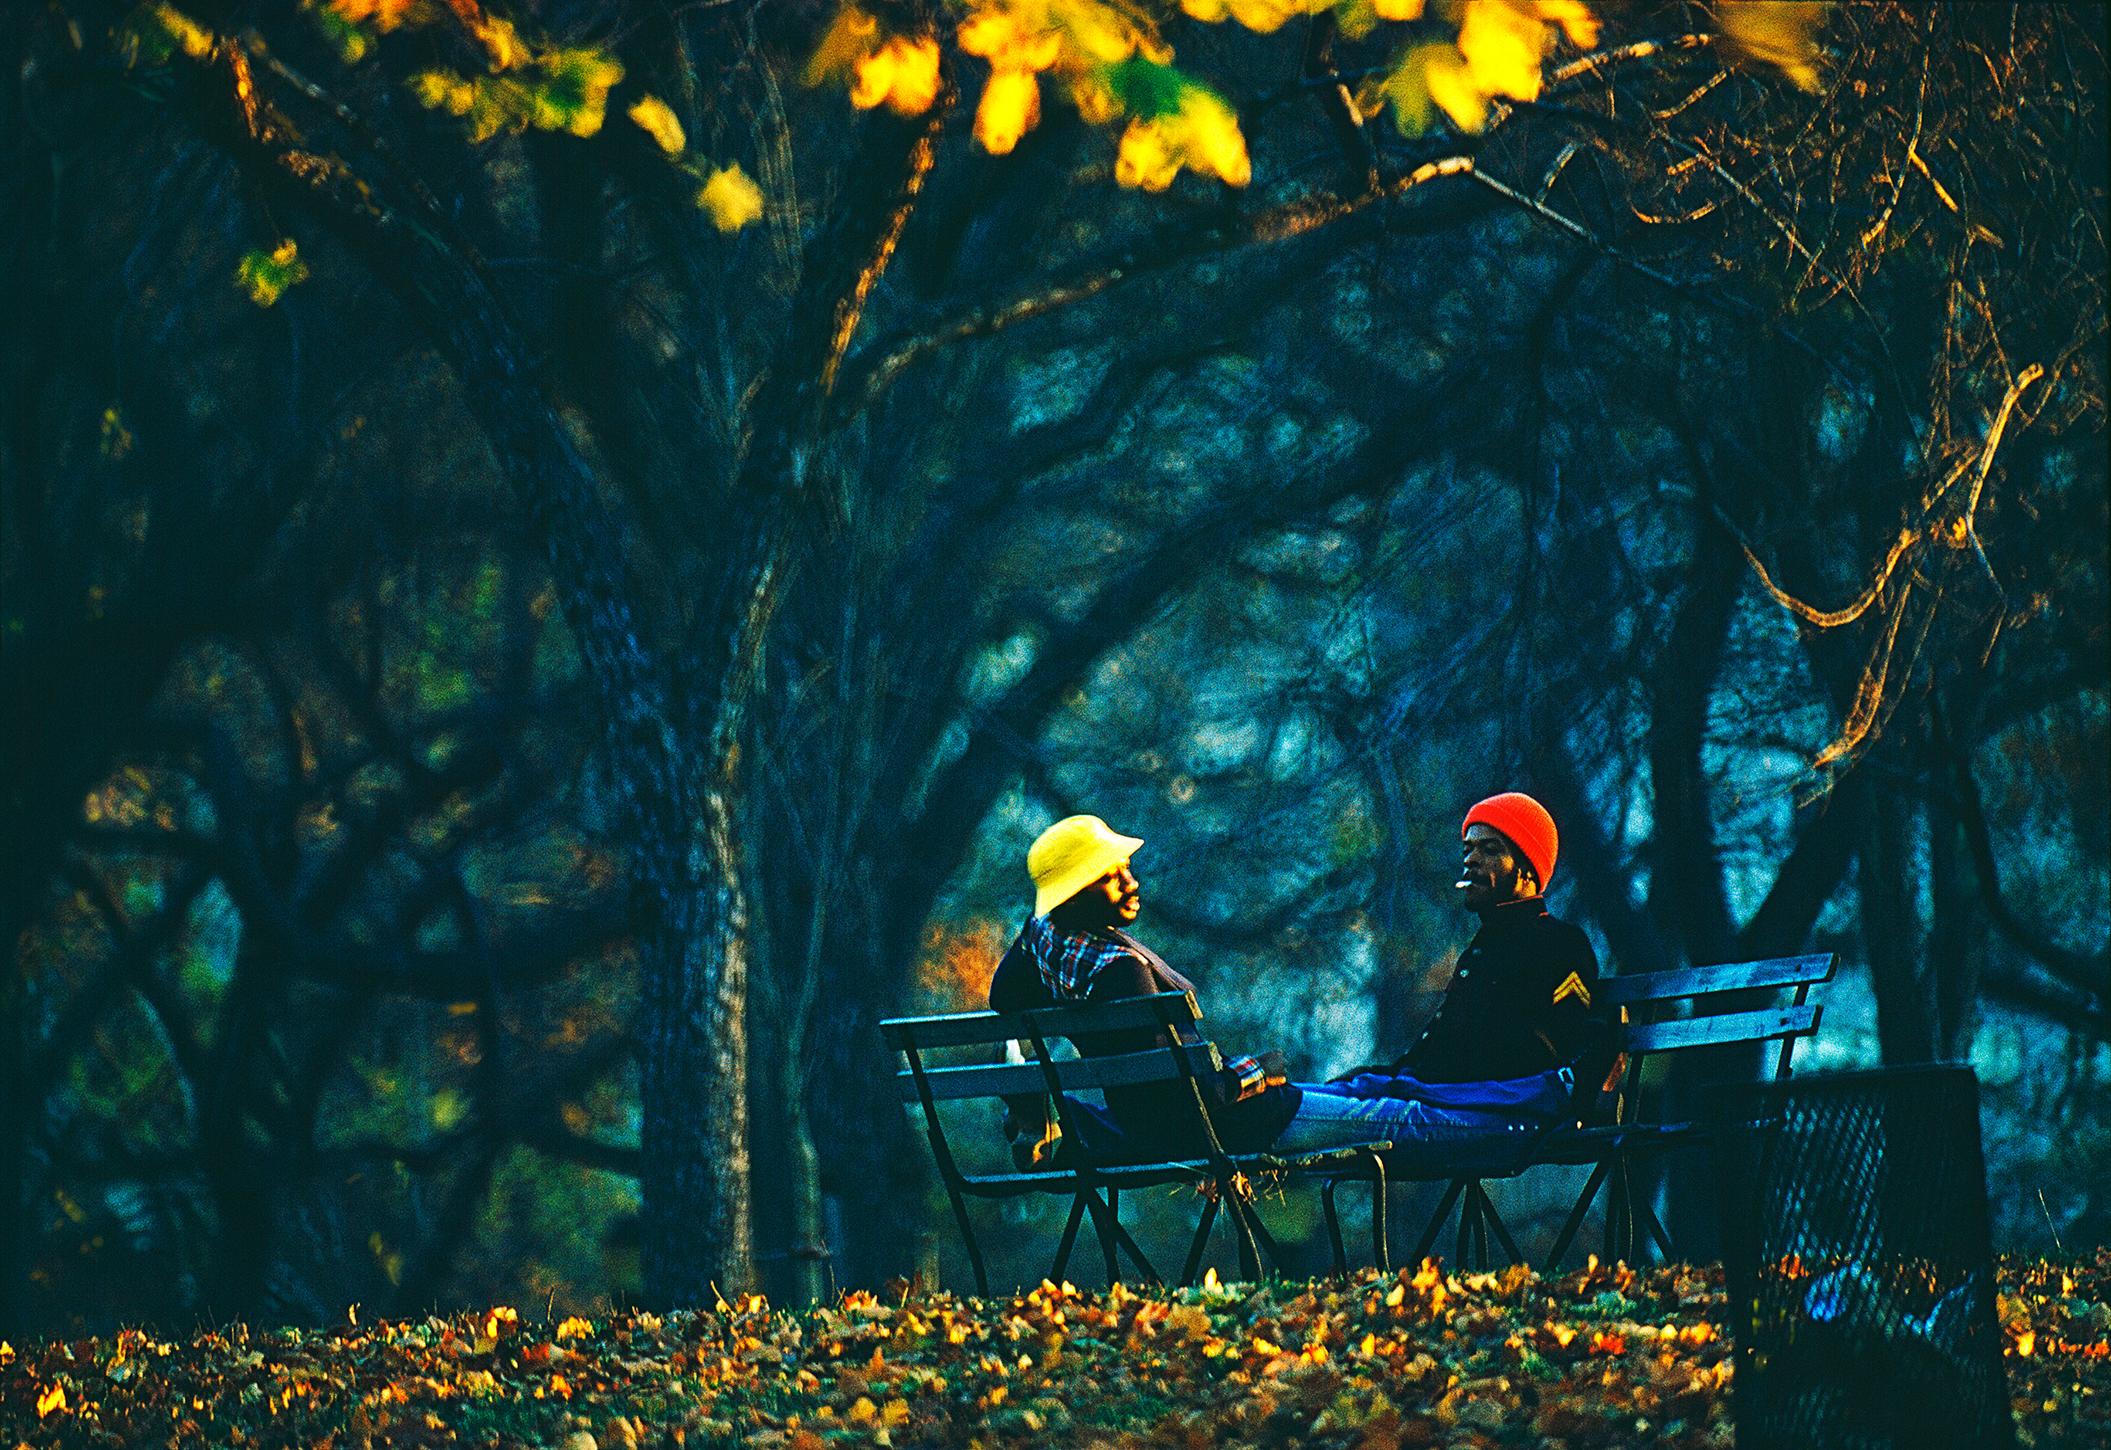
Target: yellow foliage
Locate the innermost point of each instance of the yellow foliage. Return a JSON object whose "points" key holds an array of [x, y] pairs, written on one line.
{"points": [[1012, 39], [1778, 33], [574, 1327], [656, 119], [732, 198], [1575, 18], [1203, 134], [902, 74], [194, 39], [958, 960], [1499, 51], [1011, 104], [447, 1109], [1264, 16], [596, 74], [502, 43], [850, 37], [1450, 85], [1398, 9], [1502, 45], [266, 276], [386, 14], [438, 91]]}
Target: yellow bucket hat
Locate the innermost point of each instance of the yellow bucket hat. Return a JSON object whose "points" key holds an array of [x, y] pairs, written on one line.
{"points": [[1072, 854]]}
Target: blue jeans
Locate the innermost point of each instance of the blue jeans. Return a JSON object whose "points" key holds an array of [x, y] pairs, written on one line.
{"points": [[1329, 1119]]}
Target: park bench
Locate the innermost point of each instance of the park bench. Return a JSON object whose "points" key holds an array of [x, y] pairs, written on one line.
{"points": [[1094, 1188], [1660, 1013]]}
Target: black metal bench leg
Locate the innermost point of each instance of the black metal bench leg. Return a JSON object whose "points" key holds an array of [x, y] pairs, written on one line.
{"points": [[1436, 1220], [1062, 1259], [1574, 1221], [1271, 1251], [1128, 1245], [1194, 1253], [1501, 1230], [1101, 1214], [1470, 1226], [1381, 1249], [1242, 1228], [1619, 1215], [1341, 1254], [1651, 1222], [967, 1235]]}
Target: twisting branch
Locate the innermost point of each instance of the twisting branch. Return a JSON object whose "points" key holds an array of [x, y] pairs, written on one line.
{"points": [[923, 154], [1958, 530], [1164, 250]]}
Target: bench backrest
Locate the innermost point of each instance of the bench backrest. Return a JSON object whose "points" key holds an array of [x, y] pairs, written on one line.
{"points": [[1041, 1072], [1714, 1006]]}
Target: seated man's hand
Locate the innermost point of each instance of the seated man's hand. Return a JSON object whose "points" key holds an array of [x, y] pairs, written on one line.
{"points": [[1275, 1070]]}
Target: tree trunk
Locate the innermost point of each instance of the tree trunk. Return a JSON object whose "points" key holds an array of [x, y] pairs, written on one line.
{"points": [[1956, 938], [696, 1229], [1891, 933]]}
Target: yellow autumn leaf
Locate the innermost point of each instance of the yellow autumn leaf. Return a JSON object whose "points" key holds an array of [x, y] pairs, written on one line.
{"points": [[732, 198], [988, 33], [1094, 98], [588, 74], [1448, 82], [1215, 143], [902, 74], [850, 37], [656, 119], [1502, 46], [267, 275], [386, 14], [1146, 159], [1782, 34], [1104, 35], [574, 1327], [1576, 19], [502, 44], [1010, 105], [195, 40], [447, 1109], [1262, 16], [51, 1400], [1397, 9]]}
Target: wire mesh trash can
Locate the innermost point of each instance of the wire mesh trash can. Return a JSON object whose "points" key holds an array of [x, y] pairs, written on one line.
{"points": [[1856, 1245]]}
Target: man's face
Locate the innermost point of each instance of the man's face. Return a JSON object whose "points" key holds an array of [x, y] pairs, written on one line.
{"points": [[1491, 873], [1117, 894]]}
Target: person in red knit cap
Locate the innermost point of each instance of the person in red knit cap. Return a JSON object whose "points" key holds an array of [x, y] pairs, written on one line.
{"points": [[1502, 1057], [1520, 998]]}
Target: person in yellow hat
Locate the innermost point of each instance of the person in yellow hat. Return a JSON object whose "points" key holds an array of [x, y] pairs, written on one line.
{"points": [[1075, 946]]}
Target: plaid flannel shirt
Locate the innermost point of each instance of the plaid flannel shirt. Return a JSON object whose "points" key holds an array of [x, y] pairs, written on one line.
{"points": [[1069, 962]]}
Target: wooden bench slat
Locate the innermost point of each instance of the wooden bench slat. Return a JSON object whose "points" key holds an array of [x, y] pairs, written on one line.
{"points": [[1688, 982], [1726, 1027], [968, 1029], [1126, 1069]]}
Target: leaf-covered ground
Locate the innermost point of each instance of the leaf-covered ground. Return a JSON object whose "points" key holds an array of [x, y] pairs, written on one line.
{"points": [[1604, 1356]]}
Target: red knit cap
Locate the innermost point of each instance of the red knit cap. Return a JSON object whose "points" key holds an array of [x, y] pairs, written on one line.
{"points": [[1525, 823]]}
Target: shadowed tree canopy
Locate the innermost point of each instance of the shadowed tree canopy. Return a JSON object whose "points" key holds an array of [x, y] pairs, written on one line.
{"points": [[574, 536]]}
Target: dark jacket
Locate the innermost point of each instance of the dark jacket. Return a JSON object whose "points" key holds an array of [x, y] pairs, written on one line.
{"points": [[1519, 1003], [1158, 1119]]}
